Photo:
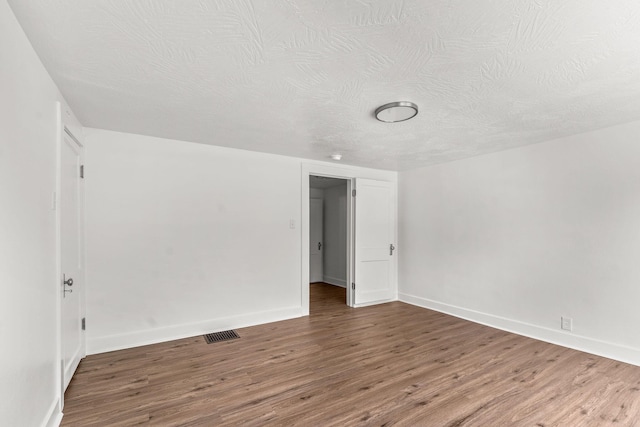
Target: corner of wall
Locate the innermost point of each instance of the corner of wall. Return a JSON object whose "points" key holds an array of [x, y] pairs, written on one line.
{"points": [[335, 281], [54, 416]]}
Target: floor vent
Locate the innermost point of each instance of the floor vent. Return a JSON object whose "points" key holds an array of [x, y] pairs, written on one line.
{"points": [[221, 336]]}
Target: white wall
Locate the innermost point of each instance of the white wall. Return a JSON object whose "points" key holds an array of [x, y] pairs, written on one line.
{"points": [[29, 360], [185, 238], [335, 235], [316, 193], [519, 238]]}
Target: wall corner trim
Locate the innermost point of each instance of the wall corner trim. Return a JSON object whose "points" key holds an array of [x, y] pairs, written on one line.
{"points": [[54, 416], [577, 342], [335, 281]]}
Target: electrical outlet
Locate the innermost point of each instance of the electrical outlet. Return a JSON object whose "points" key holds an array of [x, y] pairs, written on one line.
{"points": [[566, 323]]}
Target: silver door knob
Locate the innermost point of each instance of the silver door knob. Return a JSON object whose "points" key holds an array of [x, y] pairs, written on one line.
{"points": [[391, 248], [66, 282]]}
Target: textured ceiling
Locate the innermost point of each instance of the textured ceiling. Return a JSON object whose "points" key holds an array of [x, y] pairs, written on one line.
{"points": [[303, 77]]}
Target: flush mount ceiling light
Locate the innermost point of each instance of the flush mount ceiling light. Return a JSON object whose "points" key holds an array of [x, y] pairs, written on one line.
{"points": [[396, 111], [336, 156]]}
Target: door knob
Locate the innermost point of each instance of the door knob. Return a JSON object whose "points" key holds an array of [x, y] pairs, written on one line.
{"points": [[66, 282], [391, 248], [319, 245]]}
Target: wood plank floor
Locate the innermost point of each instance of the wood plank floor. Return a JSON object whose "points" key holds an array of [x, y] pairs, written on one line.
{"points": [[391, 364]]}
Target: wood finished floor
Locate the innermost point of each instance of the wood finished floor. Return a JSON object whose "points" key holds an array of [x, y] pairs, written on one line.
{"points": [[391, 364]]}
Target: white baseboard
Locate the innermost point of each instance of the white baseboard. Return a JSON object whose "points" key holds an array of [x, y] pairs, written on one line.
{"points": [[104, 344], [368, 304], [54, 416], [335, 281], [566, 339]]}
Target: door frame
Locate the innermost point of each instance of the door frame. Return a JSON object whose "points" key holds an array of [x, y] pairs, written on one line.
{"points": [[66, 125], [329, 172], [351, 174]]}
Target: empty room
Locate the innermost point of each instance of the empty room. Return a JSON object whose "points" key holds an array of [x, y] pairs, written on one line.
{"points": [[295, 212]]}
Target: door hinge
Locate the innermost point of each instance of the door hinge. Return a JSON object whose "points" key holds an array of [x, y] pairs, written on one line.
{"points": [[81, 171], [353, 193], [353, 286], [84, 323]]}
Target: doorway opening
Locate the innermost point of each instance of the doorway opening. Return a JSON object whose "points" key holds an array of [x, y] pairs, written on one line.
{"points": [[371, 230], [329, 237]]}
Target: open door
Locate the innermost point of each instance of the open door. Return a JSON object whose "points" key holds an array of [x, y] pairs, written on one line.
{"points": [[315, 241], [374, 241], [71, 282]]}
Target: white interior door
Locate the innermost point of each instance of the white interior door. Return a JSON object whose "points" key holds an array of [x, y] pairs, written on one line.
{"points": [[315, 241], [374, 239], [72, 345]]}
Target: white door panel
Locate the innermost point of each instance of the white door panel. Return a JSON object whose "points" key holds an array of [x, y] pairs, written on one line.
{"points": [[316, 244], [71, 258], [374, 235]]}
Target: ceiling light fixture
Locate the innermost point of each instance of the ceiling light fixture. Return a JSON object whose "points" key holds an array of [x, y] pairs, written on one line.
{"points": [[336, 156], [396, 111]]}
